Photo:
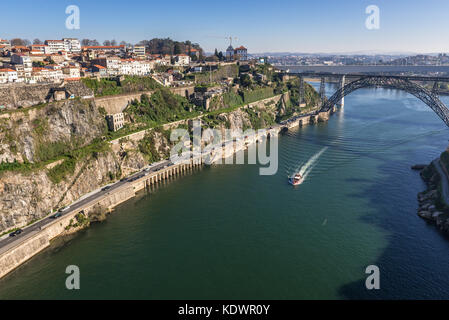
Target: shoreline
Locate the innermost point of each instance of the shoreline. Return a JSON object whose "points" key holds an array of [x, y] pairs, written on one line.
{"points": [[433, 202], [96, 207]]}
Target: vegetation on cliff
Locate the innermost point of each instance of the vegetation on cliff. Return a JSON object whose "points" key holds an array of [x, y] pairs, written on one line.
{"points": [[161, 107], [106, 87]]}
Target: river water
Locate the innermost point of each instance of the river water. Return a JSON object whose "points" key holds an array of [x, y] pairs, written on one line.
{"points": [[226, 232]]}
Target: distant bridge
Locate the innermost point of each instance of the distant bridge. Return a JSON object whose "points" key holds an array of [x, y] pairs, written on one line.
{"points": [[358, 81]]}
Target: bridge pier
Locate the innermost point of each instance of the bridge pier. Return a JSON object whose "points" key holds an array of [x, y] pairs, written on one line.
{"points": [[341, 104], [435, 88], [323, 90]]}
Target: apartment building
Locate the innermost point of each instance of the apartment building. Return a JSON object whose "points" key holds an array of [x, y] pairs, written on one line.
{"points": [[182, 60], [139, 51], [8, 75], [41, 48], [115, 121], [72, 45], [55, 46]]}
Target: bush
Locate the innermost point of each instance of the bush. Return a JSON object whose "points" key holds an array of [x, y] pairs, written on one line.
{"points": [[106, 87], [257, 94], [59, 172], [163, 106]]}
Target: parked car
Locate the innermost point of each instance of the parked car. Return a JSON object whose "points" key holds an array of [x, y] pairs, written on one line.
{"points": [[106, 188], [15, 233], [57, 215]]}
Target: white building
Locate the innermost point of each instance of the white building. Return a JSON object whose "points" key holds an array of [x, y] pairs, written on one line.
{"points": [[8, 75], [55, 73], [54, 46], [71, 72], [182, 60], [23, 65], [115, 121], [134, 67], [4, 42], [42, 48], [72, 45]]}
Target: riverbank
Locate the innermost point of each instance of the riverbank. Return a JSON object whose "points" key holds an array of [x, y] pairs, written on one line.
{"points": [[79, 216], [433, 202]]}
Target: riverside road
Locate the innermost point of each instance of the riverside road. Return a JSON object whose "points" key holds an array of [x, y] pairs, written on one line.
{"points": [[34, 228]]}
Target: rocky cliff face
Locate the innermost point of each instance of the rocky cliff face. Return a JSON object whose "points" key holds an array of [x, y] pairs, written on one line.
{"points": [[37, 133], [28, 197], [14, 96], [30, 135]]}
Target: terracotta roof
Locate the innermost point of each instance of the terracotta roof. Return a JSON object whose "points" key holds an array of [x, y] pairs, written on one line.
{"points": [[98, 66], [7, 70], [241, 48]]}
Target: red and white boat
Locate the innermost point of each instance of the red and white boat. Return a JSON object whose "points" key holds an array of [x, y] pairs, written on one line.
{"points": [[296, 180]]}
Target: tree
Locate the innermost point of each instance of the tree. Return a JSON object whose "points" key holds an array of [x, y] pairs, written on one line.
{"points": [[38, 64], [113, 43], [123, 43], [107, 43], [17, 42], [245, 80], [177, 48], [37, 41], [26, 42]]}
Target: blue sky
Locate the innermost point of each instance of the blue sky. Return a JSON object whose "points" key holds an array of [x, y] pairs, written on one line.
{"points": [[276, 26]]}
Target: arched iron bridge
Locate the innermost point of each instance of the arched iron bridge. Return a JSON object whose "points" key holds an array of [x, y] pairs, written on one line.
{"points": [[405, 83]]}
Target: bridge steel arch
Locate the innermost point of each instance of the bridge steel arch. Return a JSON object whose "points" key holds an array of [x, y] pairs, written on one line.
{"points": [[427, 96]]}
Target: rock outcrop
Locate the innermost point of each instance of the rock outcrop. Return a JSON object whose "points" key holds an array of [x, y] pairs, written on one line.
{"points": [[31, 134], [431, 207]]}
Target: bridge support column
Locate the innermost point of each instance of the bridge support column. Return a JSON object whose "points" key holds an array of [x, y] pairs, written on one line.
{"points": [[322, 90], [435, 88], [342, 86]]}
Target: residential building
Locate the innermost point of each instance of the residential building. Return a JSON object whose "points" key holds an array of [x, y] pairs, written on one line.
{"points": [[134, 67], [40, 74], [23, 65], [42, 48], [241, 53], [139, 51], [55, 73], [55, 46], [8, 75], [4, 42], [193, 52], [72, 45], [115, 121], [71, 72], [100, 70], [182, 60]]}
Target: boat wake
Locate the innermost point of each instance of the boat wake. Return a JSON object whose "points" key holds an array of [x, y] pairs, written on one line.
{"points": [[303, 170]]}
